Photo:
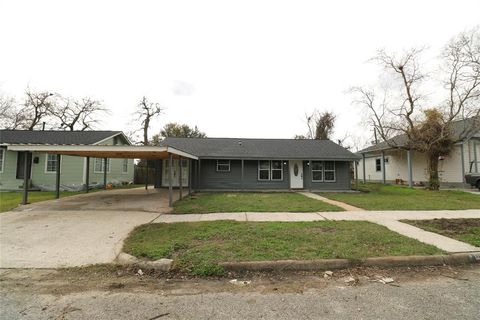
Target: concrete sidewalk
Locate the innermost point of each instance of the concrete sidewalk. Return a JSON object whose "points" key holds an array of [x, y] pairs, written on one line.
{"points": [[316, 216], [388, 219]]}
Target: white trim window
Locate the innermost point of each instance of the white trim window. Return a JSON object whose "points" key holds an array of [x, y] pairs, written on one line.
{"points": [[125, 166], [50, 163], [2, 159], [223, 165], [99, 164], [270, 170], [263, 170], [277, 170], [378, 164], [317, 171], [329, 171], [323, 171]]}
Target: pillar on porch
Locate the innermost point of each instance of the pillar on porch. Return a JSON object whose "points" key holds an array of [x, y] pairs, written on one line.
{"points": [[180, 191], [170, 180], [363, 165], [243, 174], [57, 177], [190, 176], [384, 176], [410, 169], [356, 174], [310, 173]]}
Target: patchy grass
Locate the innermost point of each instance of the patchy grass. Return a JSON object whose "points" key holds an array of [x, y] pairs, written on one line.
{"points": [[10, 200], [466, 230], [198, 247], [393, 197], [250, 202]]}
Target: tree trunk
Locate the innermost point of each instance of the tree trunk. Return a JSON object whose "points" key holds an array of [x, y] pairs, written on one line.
{"points": [[433, 179]]}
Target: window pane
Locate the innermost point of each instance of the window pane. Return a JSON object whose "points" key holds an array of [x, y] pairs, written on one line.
{"points": [[276, 164], [317, 165], [317, 175], [264, 175], [264, 164], [276, 174], [329, 176], [223, 162], [223, 167], [51, 162], [329, 165]]}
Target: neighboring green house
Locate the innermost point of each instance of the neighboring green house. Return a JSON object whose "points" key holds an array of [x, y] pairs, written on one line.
{"points": [[42, 166]]}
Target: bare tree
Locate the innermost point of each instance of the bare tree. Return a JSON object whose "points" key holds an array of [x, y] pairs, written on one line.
{"points": [[147, 111], [427, 130], [80, 114], [10, 117], [37, 107], [319, 124]]}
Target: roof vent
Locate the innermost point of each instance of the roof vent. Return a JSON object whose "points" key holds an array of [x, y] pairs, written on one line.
{"points": [[239, 142]]}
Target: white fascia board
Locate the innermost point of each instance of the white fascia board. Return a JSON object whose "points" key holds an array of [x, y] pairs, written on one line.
{"points": [[181, 153], [74, 148]]}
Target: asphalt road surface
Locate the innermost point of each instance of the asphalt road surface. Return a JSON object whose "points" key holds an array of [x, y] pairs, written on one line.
{"points": [[428, 293]]}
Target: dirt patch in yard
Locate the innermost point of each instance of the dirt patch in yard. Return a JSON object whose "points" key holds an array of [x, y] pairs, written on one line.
{"points": [[467, 230]]}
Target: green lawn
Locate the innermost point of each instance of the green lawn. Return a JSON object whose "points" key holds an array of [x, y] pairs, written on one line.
{"points": [[10, 200], [198, 247], [393, 197], [249, 201], [466, 230]]}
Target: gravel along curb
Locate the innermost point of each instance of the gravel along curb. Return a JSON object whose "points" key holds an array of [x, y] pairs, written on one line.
{"points": [[159, 265], [326, 264]]}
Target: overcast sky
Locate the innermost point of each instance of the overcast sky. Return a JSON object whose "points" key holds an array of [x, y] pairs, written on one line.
{"points": [[234, 68]]}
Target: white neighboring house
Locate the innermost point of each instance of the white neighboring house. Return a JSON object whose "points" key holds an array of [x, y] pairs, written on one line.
{"points": [[464, 157]]}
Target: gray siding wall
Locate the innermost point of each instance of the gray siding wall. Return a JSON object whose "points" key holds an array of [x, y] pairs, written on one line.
{"points": [[342, 178], [210, 179]]}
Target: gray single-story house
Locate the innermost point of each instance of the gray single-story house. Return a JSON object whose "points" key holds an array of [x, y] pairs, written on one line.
{"points": [[42, 166], [258, 164]]}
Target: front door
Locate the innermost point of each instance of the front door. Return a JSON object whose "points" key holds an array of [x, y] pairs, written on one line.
{"points": [[296, 174]]}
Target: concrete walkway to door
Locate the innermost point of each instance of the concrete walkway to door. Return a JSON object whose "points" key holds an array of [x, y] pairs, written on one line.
{"points": [[77, 230]]}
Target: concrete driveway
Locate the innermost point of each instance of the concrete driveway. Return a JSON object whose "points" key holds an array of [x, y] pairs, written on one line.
{"points": [[76, 231]]}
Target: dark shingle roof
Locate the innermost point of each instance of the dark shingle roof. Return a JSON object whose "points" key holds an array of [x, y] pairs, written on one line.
{"points": [[461, 129], [284, 149], [54, 137]]}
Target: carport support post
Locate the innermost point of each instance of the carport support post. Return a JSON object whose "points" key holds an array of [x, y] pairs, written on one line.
{"points": [[363, 165], [146, 176], [57, 180], [87, 175], [105, 173], [180, 178], [410, 170], [170, 178], [25, 178], [384, 179]]}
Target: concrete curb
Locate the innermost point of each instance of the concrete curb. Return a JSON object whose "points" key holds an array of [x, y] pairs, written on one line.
{"points": [[160, 265], [325, 264]]}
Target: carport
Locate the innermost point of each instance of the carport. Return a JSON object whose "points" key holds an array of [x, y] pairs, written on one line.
{"points": [[105, 152]]}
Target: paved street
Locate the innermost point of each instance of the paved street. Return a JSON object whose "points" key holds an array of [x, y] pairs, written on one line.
{"points": [[439, 293]]}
